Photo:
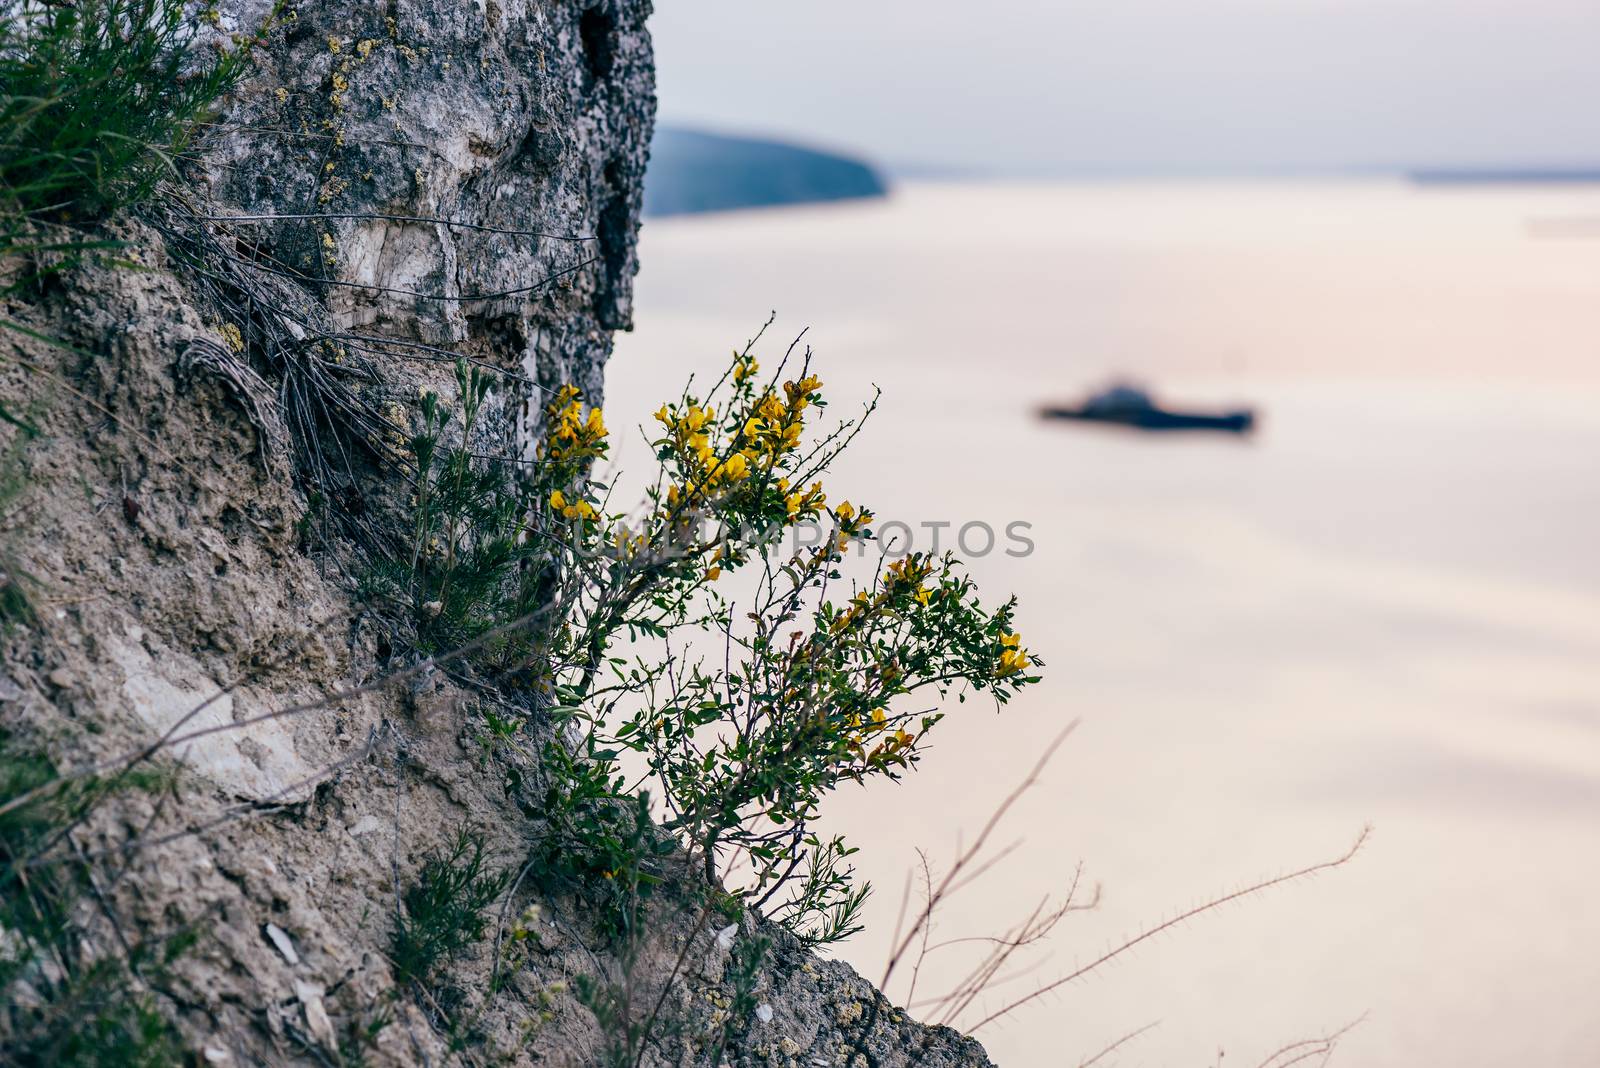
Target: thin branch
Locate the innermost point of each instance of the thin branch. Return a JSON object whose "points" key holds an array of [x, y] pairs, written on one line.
{"points": [[1189, 914]]}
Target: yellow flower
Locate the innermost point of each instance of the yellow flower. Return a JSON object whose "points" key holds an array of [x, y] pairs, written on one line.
{"points": [[558, 500], [771, 409], [579, 510], [697, 417], [1011, 662], [713, 573], [801, 392], [744, 369], [663, 416]]}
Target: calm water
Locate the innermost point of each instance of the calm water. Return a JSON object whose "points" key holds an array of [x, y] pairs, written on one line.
{"points": [[1384, 608]]}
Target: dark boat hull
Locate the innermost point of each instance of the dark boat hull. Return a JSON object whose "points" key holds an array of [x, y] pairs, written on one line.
{"points": [[1239, 422]]}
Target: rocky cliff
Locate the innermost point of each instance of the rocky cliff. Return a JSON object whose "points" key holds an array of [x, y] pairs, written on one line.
{"points": [[206, 443]]}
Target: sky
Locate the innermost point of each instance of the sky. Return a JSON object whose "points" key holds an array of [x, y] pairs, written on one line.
{"points": [[1061, 87]]}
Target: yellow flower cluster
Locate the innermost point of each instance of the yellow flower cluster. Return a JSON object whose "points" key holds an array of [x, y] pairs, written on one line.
{"points": [[573, 435], [691, 435], [1013, 658], [777, 424], [910, 572], [802, 502], [851, 522], [770, 432], [575, 509]]}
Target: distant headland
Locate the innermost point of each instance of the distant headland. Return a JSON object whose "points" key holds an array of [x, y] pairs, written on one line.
{"points": [[1576, 175], [692, 171]]}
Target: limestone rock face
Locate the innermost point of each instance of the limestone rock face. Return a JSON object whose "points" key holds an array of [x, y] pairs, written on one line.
{"points": [[402, 184], [476, 167]]}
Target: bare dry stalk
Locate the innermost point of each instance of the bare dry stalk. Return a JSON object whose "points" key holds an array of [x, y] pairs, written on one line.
{"points": [[1310, 1048], [913, 943], [959, 875], [1118, 1044], [1188, 914]]}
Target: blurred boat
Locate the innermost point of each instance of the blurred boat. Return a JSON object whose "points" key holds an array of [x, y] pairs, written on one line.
{"points": [[1127, 405]]}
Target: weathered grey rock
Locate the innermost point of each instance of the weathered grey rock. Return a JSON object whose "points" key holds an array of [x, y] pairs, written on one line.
{"points": [[532, 117], [165, 527]]}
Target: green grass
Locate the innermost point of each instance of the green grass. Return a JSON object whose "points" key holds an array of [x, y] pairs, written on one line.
{"points": [[15, 606], [97, 100]]}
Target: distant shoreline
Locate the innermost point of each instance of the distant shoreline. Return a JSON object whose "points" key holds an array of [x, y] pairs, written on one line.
{"points": [[1507, 176]]}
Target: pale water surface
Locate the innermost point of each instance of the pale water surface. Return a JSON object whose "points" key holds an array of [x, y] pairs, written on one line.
{"points": [[1385, 608]]}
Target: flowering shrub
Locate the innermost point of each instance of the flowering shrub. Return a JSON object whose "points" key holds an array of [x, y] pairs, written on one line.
{"points": [[817, 680]]}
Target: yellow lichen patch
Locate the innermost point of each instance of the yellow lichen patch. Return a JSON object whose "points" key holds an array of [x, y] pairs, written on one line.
{"points": [[231, 335], [332, 188]]}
